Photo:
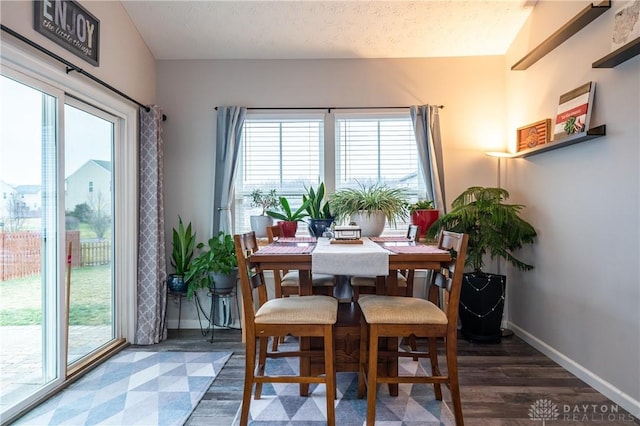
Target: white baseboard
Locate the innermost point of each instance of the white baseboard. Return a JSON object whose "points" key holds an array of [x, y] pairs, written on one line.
{"points": [[598, 383]]}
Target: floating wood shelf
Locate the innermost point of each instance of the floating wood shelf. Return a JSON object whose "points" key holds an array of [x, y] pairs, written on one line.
{"points": [[620, 55], [593, 133], [578, 22]]}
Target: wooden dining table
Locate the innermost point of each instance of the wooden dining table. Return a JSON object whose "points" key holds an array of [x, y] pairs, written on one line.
{"points": [[296, 254]]}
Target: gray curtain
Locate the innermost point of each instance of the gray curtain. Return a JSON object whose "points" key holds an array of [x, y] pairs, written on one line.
{"points": [[228, 140], [426, 125], [152, 271]]}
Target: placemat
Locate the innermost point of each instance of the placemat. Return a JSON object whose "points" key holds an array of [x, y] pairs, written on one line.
{"points": [[284, 249], [296, 240], [421, 248]]}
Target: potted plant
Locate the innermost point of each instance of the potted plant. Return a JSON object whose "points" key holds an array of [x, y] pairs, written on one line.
{"points": [[496, 229], [423, 213], [320, 217], [215, 267], [264, 200], [369, 206], [181, 257], [289, 219]]}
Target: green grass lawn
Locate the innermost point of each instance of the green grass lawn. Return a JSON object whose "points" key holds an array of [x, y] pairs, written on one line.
{"points": [[21, 299]]}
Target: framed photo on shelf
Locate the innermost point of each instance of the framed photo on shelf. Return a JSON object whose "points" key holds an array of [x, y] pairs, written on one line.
{"points": [[626, 24], [574, 112], [534, 134]]}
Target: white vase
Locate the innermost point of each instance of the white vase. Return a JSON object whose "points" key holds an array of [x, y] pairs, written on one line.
{"points": [[371, 223], [259, 225]]}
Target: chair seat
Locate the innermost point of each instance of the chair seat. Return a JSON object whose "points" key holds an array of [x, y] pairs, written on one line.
{"points": [[298, 310], [371, 281], [400, 310], [292, 278]]}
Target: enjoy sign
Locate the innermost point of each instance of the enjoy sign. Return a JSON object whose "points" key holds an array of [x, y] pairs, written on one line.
{"points": [[70, 25]]}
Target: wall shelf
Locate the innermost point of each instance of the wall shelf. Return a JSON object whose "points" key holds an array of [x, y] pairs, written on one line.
{"points": [[618, 56], [592, 133], [578, 22]]}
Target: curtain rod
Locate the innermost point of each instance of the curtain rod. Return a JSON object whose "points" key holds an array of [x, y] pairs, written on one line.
{"points": [[328, 108], [71, 67]]}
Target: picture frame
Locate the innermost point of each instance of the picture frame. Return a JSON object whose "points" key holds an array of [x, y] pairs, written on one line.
{"points": [[574, 112], [626, 25], [534, 134]]}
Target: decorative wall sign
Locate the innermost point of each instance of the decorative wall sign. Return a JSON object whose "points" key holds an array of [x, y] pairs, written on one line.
{"points": [[534, 134], [574, 112], [69, 25]]}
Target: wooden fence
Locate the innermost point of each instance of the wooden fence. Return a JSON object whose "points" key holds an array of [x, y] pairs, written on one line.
{"points": [[21, 253]]}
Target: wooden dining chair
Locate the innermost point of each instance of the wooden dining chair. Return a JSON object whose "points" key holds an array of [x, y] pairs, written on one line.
{"points": [[308, 316], [287, 283], [367, 285], [397, 316]]}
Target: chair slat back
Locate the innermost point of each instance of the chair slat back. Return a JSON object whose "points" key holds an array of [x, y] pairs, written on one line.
{"points": [[449, 278], [251, 280]]}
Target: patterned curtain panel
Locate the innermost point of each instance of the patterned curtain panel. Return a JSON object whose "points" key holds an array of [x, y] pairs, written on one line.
{"points": [[426, 125], [152, 271]]}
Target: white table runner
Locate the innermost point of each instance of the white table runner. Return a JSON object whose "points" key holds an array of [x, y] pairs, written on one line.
{"points": [[349, 259]]}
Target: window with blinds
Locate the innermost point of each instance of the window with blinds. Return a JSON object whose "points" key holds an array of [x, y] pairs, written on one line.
{"points": [[286, 153], [378, 149], [382, 150], [282, 154]]}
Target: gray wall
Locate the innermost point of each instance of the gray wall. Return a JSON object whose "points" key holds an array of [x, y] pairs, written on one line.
{"points": [[580, 305], [472, 90]]}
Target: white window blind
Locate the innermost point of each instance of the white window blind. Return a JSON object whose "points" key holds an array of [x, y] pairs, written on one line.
{"points": [[287, 152], [377, 150], [283, 154]]}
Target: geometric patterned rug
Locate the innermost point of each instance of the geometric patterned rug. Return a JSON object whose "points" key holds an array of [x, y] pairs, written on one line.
{"points": [[133, 388], [281, 404]]}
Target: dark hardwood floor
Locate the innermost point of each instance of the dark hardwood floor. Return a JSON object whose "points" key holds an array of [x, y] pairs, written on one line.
{"points": [[499, 384]]}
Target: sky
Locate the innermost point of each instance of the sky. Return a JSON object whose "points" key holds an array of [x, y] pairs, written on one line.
{"points": [[86, 136]]}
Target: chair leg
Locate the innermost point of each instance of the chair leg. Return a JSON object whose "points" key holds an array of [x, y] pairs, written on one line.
{"points": [[330, 375], [372, 375], [435, 371], [363, 359], [262, 360], [250, 365], [454, 385]]}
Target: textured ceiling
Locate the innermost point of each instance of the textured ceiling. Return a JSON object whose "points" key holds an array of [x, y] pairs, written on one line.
{"points": [[327, 29]]}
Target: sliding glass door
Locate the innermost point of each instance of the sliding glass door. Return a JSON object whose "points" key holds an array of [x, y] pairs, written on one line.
{"points": [[29, 314], [57, 286], [88, 177]]}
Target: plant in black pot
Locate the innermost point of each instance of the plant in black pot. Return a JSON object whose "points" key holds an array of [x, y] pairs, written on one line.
{"points": [[289, 218], [496, 229], [181, 257], [320, 217], [215, 267], [265, 200]]}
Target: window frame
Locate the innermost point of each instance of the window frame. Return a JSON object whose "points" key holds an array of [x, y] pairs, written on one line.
{"points": [[329, 149]]}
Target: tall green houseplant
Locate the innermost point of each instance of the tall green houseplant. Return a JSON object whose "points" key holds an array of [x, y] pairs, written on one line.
{"points": [[183, 240], [495, 228]]}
